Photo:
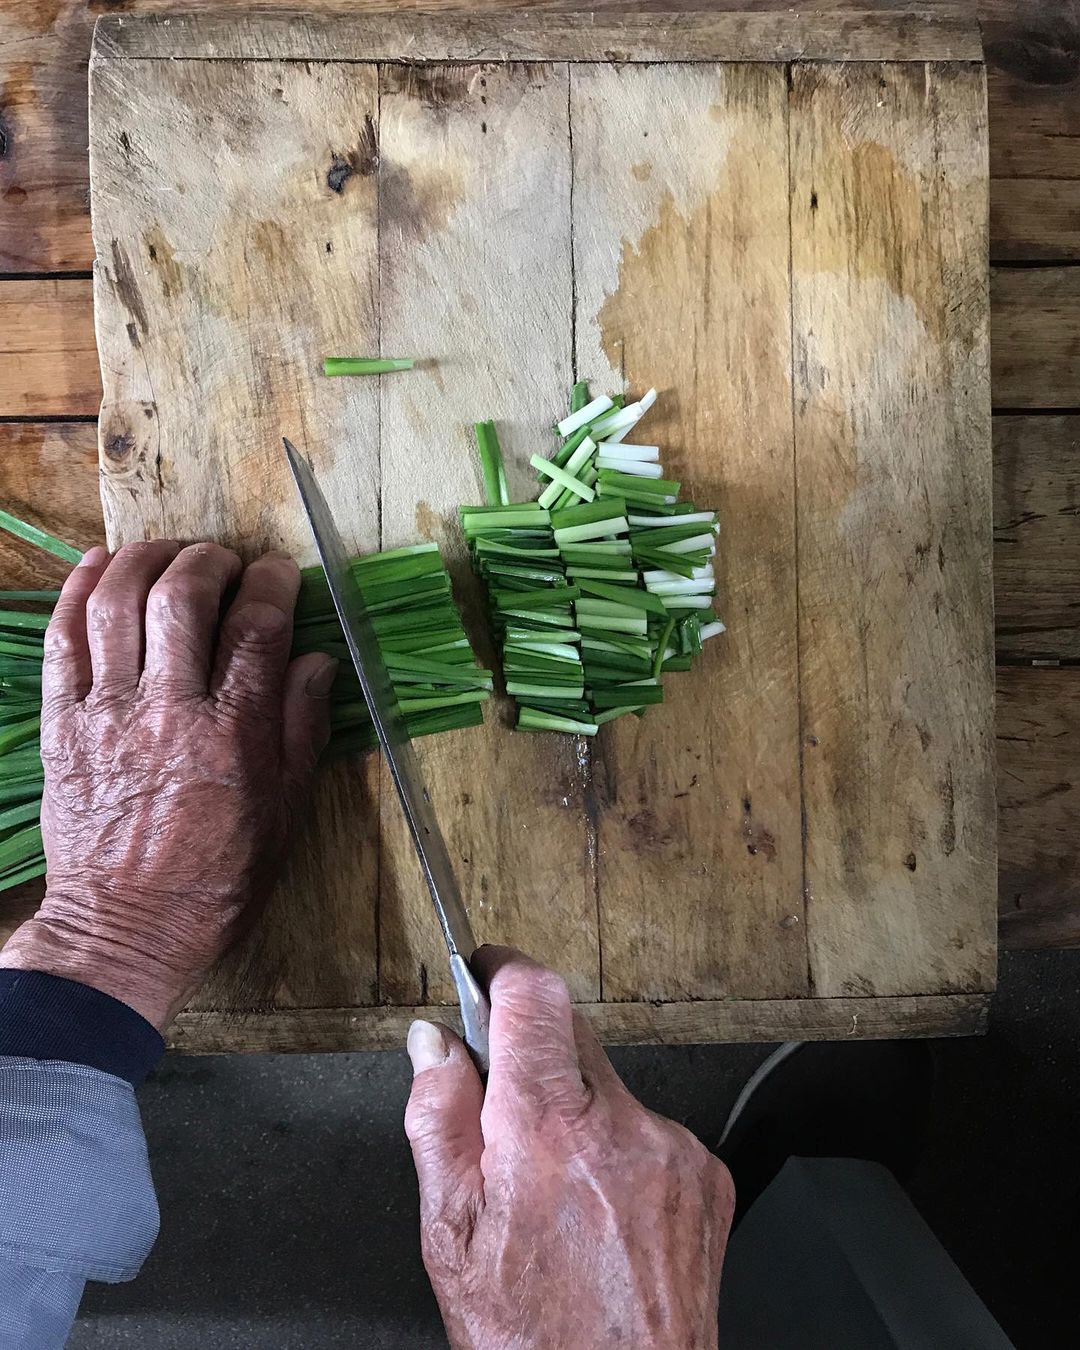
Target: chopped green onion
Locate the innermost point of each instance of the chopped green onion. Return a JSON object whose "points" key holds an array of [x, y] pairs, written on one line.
{"points": [[583, 416], [366, 365]]}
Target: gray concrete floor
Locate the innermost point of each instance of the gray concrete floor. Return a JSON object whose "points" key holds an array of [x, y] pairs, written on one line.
{"points": [[289, 1215]]}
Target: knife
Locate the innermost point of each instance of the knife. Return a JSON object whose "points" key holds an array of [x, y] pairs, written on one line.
{"points": [[397, 747]]}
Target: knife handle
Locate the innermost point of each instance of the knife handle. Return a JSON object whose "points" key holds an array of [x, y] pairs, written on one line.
{"points": [[475, 1012]]}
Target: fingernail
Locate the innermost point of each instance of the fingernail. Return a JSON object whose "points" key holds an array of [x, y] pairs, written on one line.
{"points": [[426, 1046], [94, 557], [320, 684]]}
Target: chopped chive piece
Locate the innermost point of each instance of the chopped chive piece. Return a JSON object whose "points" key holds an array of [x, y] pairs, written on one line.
{"points": [[366, 365], [584, 415], [579, 396], [491, 464], [634, 598], [628, 695]]}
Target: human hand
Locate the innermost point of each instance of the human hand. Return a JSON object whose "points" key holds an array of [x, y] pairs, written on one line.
{"points": [[178, 747], [556, 1211]]}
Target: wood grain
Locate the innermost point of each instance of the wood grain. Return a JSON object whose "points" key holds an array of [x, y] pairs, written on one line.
{"points": [[528, 35], [1036, 540], [44, 219], [1033, 88], [48, 361], [235, 224], [1036, 337], [889, 311], [250, 214], [700, 857], [48, 476], [698, 1023], [1039, 801], [474, 160]]}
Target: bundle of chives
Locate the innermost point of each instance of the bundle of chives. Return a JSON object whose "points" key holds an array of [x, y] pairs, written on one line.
{"points": [[604, 583], [420, 632]]}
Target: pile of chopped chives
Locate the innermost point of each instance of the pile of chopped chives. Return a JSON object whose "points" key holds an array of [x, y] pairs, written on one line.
{"points": [[601, 585], [421, 637]]}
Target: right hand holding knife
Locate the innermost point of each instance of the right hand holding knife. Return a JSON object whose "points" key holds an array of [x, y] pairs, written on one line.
{"points": [[556, 1211]]}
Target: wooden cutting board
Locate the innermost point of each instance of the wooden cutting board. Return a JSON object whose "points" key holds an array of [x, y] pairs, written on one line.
{"points": [[779, 222]]}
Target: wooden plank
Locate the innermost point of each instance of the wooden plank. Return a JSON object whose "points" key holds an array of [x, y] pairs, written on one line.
{"points": [[48, 476], [1034, 219], [894, 508], [526, 35], [48, 360], [1039, 802], [700, 858], [1036, 337], [1034, 134], [697, 1023], [44, 221], [54, 372], [474, 184], [1036, 541], [235, 252]]}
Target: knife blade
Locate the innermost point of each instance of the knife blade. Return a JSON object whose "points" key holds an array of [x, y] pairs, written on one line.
{"points": [[397, 746]]}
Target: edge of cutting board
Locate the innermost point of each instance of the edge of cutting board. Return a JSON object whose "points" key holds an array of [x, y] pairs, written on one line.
{"points": [[523, 35], [698, 1023]]}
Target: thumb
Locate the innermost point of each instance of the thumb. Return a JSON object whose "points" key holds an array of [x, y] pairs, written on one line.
{"points": [[442, 1121], [305, 721]]}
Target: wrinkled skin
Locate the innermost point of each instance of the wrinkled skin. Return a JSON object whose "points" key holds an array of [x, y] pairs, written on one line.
{"points": [[178, 746], [556, 1211]]}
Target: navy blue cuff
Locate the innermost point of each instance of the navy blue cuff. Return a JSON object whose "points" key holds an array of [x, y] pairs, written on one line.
{"points": [[47, 1017]]}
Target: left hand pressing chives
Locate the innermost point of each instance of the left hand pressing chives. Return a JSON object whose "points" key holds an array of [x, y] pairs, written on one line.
{"points": [[178, 746]]}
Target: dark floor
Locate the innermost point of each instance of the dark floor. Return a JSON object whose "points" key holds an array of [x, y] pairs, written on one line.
{"points": [[289, 1211]]}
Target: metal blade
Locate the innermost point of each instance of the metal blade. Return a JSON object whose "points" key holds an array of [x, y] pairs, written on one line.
{"points": [[385, 713]]}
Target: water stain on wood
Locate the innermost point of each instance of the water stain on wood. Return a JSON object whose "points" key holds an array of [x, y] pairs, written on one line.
{"points": [[418, 201], [168, 270], [127, 288]]}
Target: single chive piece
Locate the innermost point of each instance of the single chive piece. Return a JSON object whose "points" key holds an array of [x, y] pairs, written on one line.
{"points": [[45, 597], [583, 416], [491, 463], [609, 714], [634, 468], [40, 538], [711, 630], [531, 719], [630, 596], [562, 455], [560, 476], [366, 365], [577, 534], [661, 647], [665, 522], [607, 512], [646, 454], [628, 695], [658, 487], [579, 396]]}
